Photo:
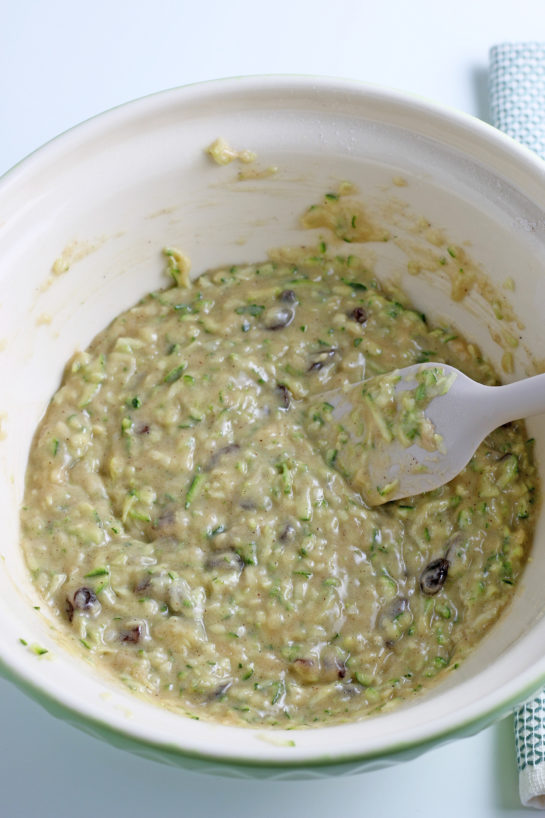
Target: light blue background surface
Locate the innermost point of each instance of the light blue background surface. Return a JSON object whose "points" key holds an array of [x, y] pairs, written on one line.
{"points": [[62, 61]]}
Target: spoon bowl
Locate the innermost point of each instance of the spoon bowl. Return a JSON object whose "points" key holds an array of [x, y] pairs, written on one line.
{"points": [[413, 430]]}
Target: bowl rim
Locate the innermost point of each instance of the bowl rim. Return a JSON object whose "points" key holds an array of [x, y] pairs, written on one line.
{"points": [[220, 763], [401, 97], [499, 148]]}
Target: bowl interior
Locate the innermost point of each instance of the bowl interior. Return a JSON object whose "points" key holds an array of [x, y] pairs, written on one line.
{"points": [[109, 195]]}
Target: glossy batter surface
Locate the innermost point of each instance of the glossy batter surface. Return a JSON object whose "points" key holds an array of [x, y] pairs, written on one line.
{"points": [[198, 545]]}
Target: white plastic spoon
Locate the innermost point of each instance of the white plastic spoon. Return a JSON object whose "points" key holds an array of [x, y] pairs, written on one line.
{"points": [[393, 436]]}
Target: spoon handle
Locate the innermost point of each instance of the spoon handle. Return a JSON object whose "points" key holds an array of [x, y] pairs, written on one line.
{"points": [[520, 399]]}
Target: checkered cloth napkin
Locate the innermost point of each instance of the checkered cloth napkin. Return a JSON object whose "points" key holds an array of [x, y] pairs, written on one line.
{"points": [[517, 92], [517, 106]]}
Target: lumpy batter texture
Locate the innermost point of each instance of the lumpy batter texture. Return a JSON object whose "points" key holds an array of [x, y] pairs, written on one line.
{"points": [[197, 544]]}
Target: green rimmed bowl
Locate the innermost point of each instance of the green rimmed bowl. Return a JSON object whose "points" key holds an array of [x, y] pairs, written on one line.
{"points": [[106, 197]]}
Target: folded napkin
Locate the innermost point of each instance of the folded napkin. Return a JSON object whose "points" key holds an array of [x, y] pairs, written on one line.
{"points": [[517, 107], [517, 92], [530, 746]]}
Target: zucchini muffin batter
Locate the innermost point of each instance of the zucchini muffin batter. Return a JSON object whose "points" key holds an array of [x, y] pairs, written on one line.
{"points": [[197, 544]]}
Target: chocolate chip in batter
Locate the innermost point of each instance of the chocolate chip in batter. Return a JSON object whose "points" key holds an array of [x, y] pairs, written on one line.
{"points": [[288, 296], [84, 599], [433, 576], [285, 395], [358, 314], [69, 610], [397, 606], [216, 457], [143, 584], [321, 358], [220, 691], [278, 317], [287, 533], [227, 560], [131, 635]]}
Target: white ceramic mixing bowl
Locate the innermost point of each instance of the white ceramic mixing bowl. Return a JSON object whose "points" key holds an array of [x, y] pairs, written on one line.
{"points": [[109, 195]]}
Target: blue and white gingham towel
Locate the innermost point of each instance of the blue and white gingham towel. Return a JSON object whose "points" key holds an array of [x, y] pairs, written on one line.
{"points": [[517, 107]]}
